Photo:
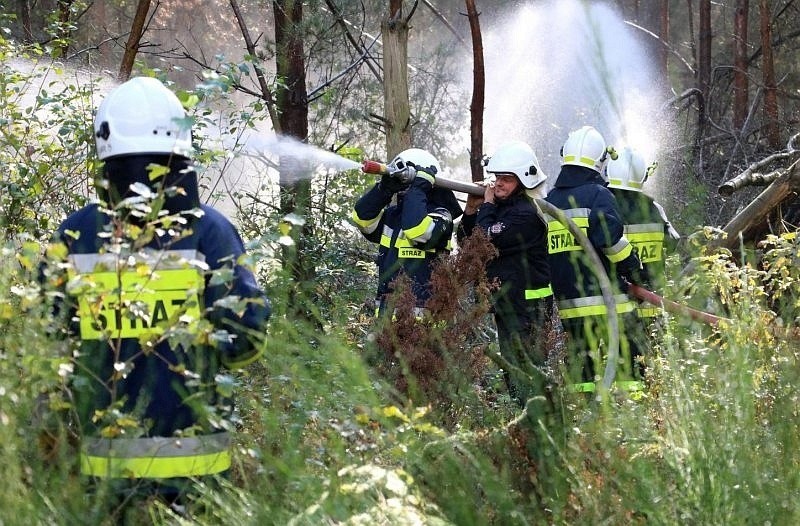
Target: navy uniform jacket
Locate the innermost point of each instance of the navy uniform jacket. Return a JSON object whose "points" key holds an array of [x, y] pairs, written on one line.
{"points": [[411, 234], [652, 236], [153, 387], [521, 266], [582, 194]]}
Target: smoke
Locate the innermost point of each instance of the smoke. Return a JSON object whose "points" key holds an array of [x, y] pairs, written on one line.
{"points": [[557, 65]]}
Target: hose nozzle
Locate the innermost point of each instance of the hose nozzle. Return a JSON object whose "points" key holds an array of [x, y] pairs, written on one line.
{"points": [[612, 152], [374, 167]]}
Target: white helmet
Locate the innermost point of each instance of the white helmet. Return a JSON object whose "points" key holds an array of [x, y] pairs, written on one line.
{"points": [[419, 159], [141, 116], [585, 147], [517, 158], [629, 170]]}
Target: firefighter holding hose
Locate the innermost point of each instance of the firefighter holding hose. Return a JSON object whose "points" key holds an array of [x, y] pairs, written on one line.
{"points": [[581, 192], [524, 310], [410, 219], [157, 290], [646, 227]]}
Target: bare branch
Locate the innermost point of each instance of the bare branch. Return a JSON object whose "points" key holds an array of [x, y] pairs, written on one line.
{"points": [[665, 44], [447, 24], [363, 58], [752, 177], [371, 63], [266, 93]]}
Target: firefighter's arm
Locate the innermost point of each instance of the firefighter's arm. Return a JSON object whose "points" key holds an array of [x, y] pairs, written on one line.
{"points": [[368, 211], [235, 302], [424, 226]]}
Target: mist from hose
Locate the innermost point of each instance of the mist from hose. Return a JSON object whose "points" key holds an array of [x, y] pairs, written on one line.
{"points": [[295, 159], [558, 65]]}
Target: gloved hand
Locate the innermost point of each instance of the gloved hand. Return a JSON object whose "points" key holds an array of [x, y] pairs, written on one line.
{"points": [[391, 184], [631, 276]]}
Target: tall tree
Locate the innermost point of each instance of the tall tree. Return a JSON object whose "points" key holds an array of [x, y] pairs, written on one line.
{"points": [[295, 177], [478, 94], [704, 38], [397, 108], [64, 25], [768, 76], [740, 83], [25, 18], [663, 34], [134, 38]]}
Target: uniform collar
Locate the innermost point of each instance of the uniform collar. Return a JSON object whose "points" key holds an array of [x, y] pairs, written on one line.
{"points": [[571, 175]]}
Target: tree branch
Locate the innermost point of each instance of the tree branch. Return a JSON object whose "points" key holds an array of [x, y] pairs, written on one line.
{"points": [[752, 177], [266, 93]]}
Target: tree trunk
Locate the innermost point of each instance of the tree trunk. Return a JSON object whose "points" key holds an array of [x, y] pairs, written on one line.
{"points": [[478, 94], [295, 176], [663, 35], [704, 37], [740, 84], [768, 69], [397, 108], [25, 19], [134, 37], [64, 8]]}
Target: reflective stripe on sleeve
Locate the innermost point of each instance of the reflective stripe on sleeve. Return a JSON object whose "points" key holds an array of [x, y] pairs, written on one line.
{"points": [[619, 250], [367, 226], [422, 232], [535, 294]]}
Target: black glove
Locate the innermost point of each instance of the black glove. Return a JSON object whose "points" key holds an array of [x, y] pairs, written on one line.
{"points": [[391, 184]]}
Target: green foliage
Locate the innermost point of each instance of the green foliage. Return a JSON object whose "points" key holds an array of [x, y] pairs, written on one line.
{"points": [[46, 137]]}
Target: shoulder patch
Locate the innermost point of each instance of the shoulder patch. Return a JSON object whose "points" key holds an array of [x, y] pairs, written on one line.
{"points": [[497, 228]]}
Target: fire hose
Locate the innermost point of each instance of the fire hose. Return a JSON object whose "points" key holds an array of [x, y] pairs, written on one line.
{"points": [[606, 289], [374, 167]]}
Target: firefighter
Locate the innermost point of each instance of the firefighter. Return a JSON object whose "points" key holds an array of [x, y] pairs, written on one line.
{"points": [[581, 191], [523, 306], [411, 220], [164, 305], [646, 225]]}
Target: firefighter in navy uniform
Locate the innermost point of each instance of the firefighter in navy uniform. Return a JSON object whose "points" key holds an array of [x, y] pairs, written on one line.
{"points": [[410, 219], [580, 191], [646, 226], [524, 310], [148, 309]]}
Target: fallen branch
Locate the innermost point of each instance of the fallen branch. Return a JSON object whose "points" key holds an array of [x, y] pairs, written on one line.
{"points": [[752, 176]]}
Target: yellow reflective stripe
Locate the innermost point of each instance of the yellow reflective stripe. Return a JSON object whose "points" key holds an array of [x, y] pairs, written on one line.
{"points": [[625, 385], [155, 467], [619, 251], [243, 362], [648, 312], [594, 310], [648, 241], [630, 184], [420, 229], [365, 224], [586, 161], [132, 303], [535, 294], [560, 239], [592, 306], [156, 457]]}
